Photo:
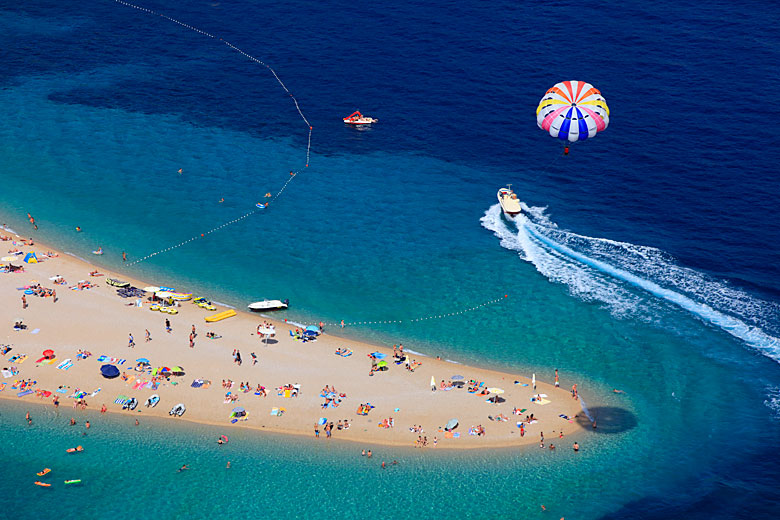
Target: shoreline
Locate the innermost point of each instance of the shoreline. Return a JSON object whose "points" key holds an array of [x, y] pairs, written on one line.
{"points": [[397, 393]]}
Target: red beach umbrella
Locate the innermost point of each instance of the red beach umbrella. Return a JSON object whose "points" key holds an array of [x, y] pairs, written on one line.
{"points": [[49, 353]]}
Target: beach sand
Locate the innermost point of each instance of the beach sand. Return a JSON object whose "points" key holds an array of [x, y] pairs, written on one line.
{"points": [[99, 321]]}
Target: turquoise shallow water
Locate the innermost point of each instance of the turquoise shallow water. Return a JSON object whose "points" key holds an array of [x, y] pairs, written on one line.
{"points": [[399, 222]]}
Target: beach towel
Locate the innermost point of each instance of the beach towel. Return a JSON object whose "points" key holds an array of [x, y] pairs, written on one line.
{"points": [[121, 399], [62, 390], [66, 367], [521, 384], [542, 402], [61, 365], [137, 385], [50, 361], [101, 359], [35, 331], [93, 394], [274, 411]]}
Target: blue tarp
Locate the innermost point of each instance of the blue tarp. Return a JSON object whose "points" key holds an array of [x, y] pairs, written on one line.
{"points": [[109, 371]]}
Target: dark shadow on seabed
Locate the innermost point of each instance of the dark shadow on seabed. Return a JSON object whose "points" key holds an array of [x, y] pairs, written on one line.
{"points": [[746, 490], [608, 419]]}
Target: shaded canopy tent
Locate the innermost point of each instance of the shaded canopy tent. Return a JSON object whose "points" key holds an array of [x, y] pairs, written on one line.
{"points": [[30, 258], [109, 371]]}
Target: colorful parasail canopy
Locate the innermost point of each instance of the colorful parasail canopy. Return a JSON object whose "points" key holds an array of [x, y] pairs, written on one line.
{"points": [[572, 110]]}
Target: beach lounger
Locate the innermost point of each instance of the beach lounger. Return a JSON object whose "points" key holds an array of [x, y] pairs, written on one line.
{"points": [[62, 365], [24, 393]]}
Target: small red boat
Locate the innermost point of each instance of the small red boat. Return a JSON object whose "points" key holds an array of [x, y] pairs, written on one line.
{"points": [[356, 118]]}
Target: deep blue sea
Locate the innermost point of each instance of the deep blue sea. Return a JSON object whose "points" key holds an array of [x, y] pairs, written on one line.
{"points": [[648, 259]]}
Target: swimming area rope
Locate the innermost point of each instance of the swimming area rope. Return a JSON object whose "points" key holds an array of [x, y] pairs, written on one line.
{"points": [[292, 175], [411, 320]]}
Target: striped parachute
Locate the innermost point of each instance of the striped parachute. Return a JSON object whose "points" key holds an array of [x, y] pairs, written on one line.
{"points": [[572, 110]]}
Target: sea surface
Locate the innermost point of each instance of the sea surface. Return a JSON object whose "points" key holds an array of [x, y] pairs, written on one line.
{"points": [[647, 260]]}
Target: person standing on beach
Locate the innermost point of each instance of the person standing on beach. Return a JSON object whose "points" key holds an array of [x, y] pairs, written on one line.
{"points": [[168, 325], [24, 302], [148, 336], [130, 341], [192, 341], [193, 331], [254, 358], [238, 357]]}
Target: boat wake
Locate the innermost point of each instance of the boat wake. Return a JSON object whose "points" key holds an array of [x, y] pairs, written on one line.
{"points": [[610, 272]]}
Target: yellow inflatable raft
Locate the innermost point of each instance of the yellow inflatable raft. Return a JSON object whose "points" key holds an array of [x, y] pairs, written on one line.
{"points": [[220, 315]]}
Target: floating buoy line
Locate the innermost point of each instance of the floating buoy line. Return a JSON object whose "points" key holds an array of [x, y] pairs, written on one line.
{"points": [[409, 320], [293, 174]]}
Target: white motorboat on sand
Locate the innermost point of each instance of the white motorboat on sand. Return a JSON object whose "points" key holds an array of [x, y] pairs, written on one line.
{"points": [[509, 201]]}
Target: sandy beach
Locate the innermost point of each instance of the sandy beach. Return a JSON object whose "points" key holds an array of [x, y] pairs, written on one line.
{"points": [[99, 321]]}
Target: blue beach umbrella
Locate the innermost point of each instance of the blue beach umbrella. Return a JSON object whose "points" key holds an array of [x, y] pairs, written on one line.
{"points": [[322, 421], [451, 424], [379, 355], [142, 360], [238, 409], [456, 378], [109, 371], [313, 328], [310, 332]]}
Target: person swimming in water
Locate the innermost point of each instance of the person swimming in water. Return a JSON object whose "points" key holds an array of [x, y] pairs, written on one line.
{"points": [[183, 468]]}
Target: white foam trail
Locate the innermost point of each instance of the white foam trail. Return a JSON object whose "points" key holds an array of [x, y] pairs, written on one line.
{"points": [[584, 406], [559, 256], [773, 400]]}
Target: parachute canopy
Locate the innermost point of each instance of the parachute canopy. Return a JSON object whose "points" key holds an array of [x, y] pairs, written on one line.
{"points": [[572, 110]]}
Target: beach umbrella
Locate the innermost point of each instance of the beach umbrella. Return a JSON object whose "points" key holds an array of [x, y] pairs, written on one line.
{"points": [[151, 289], [379, 355], [456, 378], [162, 294], [109, 371], [322, 421], [381, 364], [177, 369], [313, 328], [451, 424], [238, 409], [433, 382], [142, 360], [48, 352]]}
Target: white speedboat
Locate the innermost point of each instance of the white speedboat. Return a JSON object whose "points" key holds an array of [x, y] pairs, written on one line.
{"points": [[356, 118], [509, 201], [269, 305]]}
